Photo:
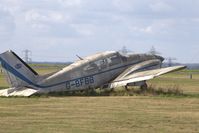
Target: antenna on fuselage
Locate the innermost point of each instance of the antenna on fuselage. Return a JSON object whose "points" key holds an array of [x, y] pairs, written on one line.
{"points": [[79, 57]]}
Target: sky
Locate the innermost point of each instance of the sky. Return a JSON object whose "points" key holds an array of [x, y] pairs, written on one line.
{"points": [[57, 30]]}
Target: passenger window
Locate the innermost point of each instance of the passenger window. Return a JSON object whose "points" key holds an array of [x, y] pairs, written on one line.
{"points": [[92, 67], [135, 58], [124, 59], [97, 65], [102, 64], [114, 60]]}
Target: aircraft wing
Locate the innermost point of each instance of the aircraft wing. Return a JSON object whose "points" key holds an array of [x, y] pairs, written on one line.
{"points": [[18, 92], [143, 76]]}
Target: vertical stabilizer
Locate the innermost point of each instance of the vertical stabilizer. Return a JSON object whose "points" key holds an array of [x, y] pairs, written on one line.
{"points": [[19, 74]]}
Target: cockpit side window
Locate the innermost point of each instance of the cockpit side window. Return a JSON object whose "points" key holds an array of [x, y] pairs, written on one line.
{"points": [[114, 60], [91, 67], [96, 65], [124, 58], [102, 64]]}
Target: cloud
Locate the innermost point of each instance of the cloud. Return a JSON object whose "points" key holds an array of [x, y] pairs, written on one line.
{"points": [[50, 23], [7, 24], [88, 26], [44, 16], [12, 6], [161, 7], [69, 3]]}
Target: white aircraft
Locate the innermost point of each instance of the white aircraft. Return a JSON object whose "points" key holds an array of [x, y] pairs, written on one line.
{"points": [[107, 69]]}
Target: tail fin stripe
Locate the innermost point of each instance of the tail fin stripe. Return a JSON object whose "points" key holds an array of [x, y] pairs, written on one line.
{"points": [[22, 77], [24, 63], [16, 73]]}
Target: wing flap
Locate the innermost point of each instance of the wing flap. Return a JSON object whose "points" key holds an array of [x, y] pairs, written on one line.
{"points": [[144, 75], [18, 92]]}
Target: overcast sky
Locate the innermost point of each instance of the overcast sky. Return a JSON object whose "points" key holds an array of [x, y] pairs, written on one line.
{"points": [[57, 30]]}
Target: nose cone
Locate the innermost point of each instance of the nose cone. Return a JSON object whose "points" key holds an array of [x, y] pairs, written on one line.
{"points": [[160, 58]]}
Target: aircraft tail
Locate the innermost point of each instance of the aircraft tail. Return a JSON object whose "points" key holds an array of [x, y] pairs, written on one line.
{"points": [[18, 73]]}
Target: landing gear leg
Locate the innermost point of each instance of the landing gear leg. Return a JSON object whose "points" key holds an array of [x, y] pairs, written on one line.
{"points": [[144, 87], [126, 87]]}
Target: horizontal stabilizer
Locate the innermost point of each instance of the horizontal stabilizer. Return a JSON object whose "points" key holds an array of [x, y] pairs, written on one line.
{"points": [[18, 92]]}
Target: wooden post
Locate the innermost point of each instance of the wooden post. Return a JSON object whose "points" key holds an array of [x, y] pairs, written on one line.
{"points": [[191, 76]]}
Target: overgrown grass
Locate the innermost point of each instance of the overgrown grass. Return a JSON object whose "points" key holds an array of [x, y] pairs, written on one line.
{"points": [[151, 91]]}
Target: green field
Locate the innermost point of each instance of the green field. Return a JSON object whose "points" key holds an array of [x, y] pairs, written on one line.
{"points": [[124, 114], [180, 79]]}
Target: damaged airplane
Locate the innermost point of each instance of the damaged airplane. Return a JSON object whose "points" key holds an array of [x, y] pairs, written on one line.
{"points": [[107, 69]]}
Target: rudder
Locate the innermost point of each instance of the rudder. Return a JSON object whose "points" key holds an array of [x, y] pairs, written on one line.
{"points": [[19, 74]]}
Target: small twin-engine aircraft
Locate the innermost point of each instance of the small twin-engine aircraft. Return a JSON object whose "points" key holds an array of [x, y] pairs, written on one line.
{"points": [[107, 69]]}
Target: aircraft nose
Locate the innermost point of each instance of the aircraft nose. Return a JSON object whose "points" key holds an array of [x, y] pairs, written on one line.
{"points": [[160, 58]]}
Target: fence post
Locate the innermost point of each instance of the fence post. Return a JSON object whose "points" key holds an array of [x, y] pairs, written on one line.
{"points": [[191, 76]]}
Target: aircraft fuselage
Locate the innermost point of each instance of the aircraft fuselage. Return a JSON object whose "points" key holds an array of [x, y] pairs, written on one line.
{"points": [[94, 71]]}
